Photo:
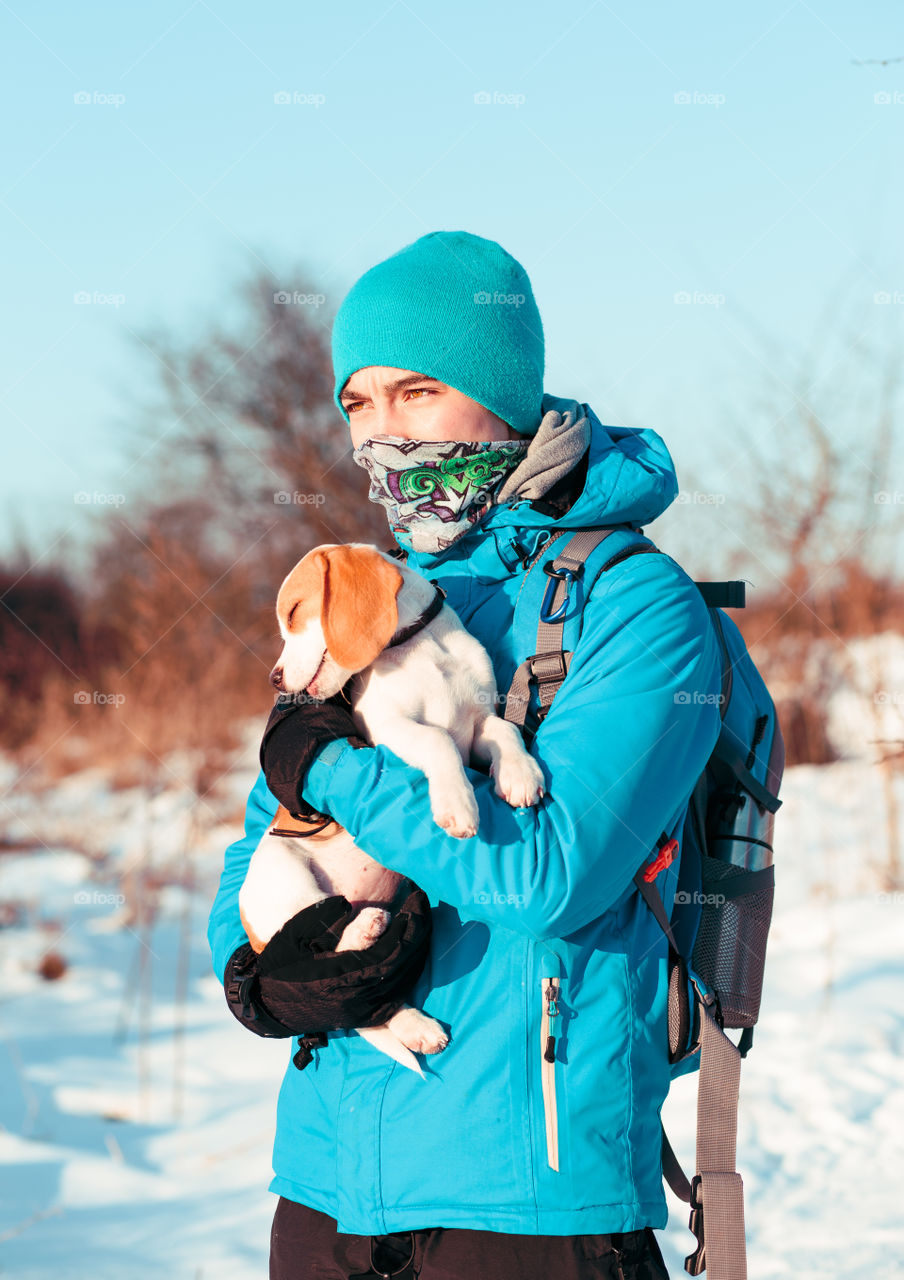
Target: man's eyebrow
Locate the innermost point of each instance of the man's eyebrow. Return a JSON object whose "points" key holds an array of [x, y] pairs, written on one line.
{"points": [[390, 387]]}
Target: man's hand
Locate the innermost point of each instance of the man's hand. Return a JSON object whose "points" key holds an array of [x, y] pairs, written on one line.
{"points": [[295, 732]]}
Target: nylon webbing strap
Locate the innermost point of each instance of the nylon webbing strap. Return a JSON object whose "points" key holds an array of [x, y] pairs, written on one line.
{"points": [[653, 899], [548, 664], [761, 794], [716, 1195], [717, 1192], [673, 1172]]}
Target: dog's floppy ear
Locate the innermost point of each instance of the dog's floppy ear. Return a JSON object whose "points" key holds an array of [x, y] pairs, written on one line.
{"points": [[360, 612], [303, 589]]}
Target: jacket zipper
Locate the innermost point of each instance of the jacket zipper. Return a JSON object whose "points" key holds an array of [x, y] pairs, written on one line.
{"points": [[548, 1028]]}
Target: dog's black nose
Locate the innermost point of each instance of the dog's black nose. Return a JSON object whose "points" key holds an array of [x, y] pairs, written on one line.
{"points": [[276, 679]]}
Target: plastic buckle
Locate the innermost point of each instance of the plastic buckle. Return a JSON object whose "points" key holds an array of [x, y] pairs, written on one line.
{"points": [[544, 677], [245, 983], [240, 1000], [664, 858], [695, 1263], [238, 988], [559, 674], [555, 577], [717, 1011]]}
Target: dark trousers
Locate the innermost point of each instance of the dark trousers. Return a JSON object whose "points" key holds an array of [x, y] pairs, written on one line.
{"points": [[305, 1245]]}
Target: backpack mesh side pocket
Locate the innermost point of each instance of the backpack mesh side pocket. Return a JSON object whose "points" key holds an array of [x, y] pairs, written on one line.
{"points": [[730, 948]]}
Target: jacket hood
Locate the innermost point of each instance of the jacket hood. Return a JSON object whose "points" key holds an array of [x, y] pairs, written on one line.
{"points": [[630, 478]]}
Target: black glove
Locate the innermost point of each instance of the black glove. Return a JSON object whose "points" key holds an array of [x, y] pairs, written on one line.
{"points": [[299, 984], [253, 995], [295, 731], [243, 995]]}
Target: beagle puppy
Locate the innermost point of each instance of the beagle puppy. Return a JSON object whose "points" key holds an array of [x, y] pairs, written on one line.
{"points": [[421, 685]]}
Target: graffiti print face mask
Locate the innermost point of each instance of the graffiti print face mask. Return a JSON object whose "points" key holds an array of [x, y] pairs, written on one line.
{"points": [[435, 491]]}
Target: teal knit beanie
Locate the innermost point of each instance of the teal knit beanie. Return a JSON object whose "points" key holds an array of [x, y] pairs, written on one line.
{"points": [[452, 306]]}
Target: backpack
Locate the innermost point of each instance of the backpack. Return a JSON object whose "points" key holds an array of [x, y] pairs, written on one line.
{"points": [[722, 909]]}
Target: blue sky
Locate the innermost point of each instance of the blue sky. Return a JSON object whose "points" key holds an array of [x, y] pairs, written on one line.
{"points": [[767, 193]]}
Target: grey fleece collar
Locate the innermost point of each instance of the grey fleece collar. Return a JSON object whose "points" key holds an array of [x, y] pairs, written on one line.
{"points": [[560, 440]]}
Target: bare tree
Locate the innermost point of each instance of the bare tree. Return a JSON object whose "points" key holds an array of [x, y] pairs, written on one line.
{"points": [[828, 518], [249, 420]]}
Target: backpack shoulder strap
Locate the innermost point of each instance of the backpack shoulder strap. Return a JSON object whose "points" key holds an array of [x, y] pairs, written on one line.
{"points": [[548, 666]]}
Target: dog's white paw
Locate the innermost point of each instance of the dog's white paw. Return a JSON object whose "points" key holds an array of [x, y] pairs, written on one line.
{"points": [[454, 808], [455, 825], [363, 931], [417, 1031], [520, 780]]}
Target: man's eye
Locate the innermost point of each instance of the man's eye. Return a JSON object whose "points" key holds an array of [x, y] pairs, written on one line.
{"points": [[427, 391], [349, 407]]}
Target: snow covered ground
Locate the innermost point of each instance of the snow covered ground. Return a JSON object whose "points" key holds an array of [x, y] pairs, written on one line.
{"points": [[129, 1148]]}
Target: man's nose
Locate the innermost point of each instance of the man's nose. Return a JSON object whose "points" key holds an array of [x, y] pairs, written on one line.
{"points": [[386, 421], [276, 679]]}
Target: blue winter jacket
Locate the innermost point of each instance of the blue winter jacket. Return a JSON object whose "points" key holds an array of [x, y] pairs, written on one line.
{"points": [[496, 1137]]}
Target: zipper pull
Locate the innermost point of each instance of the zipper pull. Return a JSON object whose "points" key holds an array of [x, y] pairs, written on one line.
{"points": [[542, 540], [552, 1011], [519, 549]]}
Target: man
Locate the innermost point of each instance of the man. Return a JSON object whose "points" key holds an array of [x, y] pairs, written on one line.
{"points": [[532, 1147]]}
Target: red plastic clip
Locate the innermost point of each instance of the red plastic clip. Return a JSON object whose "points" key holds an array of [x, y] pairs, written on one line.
{"points": [[664, 858]]}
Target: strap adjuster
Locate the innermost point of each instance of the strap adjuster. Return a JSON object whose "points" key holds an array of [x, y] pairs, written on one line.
{"points": [[695, 1263], [543, 677], [555, 659]]}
